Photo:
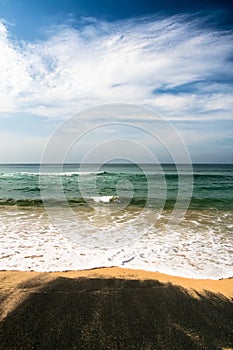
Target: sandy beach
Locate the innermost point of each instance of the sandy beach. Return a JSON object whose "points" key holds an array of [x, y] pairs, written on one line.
{"points": [[114, 308]]}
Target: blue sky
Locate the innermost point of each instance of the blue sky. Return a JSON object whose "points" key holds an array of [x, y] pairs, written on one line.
{"points": [[58, 58]]}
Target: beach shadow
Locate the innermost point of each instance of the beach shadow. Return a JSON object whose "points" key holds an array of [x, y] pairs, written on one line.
{"points": [[84, 313]]}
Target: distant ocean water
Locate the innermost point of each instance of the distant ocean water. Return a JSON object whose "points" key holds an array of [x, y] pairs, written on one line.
{"points": [[200, 246]]}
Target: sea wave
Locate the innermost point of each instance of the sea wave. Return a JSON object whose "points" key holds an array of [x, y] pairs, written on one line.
{"points": [[140, 202], [168, 175], [67, 173], [105, 199], [38, 202]]}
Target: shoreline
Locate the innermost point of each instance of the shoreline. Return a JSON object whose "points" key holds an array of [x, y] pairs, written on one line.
{"points": [[30, 243]]}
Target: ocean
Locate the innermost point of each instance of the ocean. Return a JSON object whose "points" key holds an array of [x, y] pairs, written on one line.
{"points": [[174, 220]]}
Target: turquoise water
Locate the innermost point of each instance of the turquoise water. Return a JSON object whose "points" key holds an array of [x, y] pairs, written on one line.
{"points": [[118, 215], [213, 184]]}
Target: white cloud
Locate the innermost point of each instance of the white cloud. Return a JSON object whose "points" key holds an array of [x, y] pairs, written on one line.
{"points": [[127, 61], [15, 79], [215, 105]]}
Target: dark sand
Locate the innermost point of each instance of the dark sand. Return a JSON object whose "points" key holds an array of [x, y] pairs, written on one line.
{"points": [[113, 308]]}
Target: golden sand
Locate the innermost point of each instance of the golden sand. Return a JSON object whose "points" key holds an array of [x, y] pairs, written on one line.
{"points": [[111, 308], [222, 286]]}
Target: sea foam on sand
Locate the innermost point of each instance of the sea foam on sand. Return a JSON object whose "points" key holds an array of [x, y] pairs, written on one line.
{"points": [[28, 241]]}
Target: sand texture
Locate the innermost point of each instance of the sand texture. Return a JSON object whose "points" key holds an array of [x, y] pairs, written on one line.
{"points": [[113, 308]]}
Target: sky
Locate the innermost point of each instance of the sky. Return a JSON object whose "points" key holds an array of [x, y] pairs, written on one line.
{"points": [[59, 58]]}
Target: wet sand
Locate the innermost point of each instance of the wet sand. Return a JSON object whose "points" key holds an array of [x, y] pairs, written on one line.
{"points": [[114, 308]]}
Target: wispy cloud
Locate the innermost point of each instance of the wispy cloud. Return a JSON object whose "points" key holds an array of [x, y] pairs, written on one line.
{"points": [[148, 61]]}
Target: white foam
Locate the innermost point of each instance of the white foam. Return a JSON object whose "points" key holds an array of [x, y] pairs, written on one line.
{"points": [[104, 199], [66, 173], [30, 242]]}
